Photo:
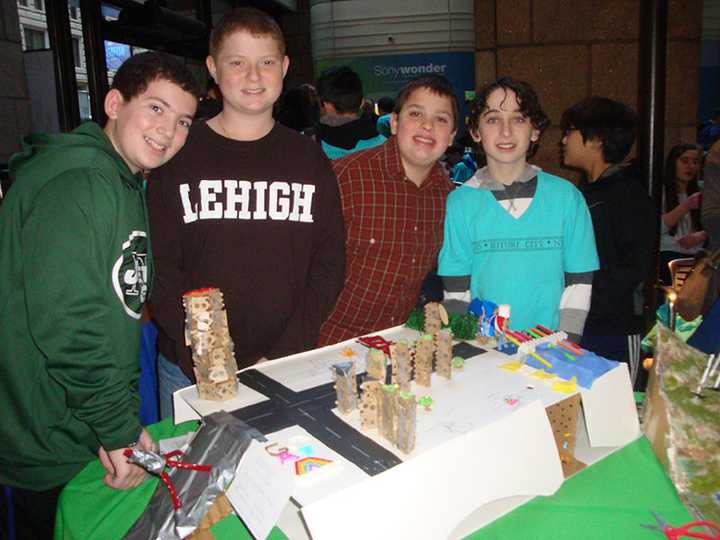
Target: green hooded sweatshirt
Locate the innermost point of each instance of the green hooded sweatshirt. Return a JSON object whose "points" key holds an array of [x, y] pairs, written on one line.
{"points": [[74, 273]]}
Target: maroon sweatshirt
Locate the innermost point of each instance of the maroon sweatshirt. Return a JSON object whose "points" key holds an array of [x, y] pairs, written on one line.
{"points": [[262, 221]]}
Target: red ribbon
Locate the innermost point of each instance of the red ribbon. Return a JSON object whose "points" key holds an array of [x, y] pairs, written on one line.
{"points": [[171, 461]]}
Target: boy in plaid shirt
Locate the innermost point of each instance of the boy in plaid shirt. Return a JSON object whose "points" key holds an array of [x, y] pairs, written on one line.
{"points": [[393, 199]]}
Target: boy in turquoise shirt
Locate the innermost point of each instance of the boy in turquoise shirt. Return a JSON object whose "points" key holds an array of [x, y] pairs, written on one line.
{"points": [[515, 234]]}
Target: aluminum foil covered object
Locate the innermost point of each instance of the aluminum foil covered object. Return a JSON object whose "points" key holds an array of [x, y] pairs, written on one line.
{"points": [[221, 442]]}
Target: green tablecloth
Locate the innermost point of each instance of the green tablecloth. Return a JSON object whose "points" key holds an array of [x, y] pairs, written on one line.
{"points": [[607, 500]]}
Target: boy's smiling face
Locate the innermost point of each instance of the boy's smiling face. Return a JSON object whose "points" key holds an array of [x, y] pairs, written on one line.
{"points": [[503, 130], [152, 127], [425, 127], [249, 71]]}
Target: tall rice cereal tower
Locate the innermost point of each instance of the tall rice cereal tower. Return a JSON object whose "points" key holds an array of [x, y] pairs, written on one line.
{"points": [[387, 415], [345, 386], [406, 422], [423, 359], [369, 404], [376, 365], [206, 332], [433, 317], [443, 353], [401, 364]]}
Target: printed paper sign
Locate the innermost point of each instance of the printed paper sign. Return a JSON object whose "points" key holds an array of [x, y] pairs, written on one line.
{"points": [[260, 490]]}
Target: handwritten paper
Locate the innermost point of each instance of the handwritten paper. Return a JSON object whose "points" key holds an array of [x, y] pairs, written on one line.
{"points": [[260, 490]]}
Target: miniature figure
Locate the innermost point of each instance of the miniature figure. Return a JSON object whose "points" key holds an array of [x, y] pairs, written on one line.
{"points": [[486, 313], [426, 402], [502, 321]]}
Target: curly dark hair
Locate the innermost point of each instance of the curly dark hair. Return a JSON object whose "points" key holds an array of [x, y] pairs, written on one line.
{"points": [[137, 72], [670, 184], [527, 99], [599, 118]]}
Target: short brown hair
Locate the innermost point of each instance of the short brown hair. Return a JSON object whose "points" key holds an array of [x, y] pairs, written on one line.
{"points": [[255, 22], [137, 72], [437, 84]]}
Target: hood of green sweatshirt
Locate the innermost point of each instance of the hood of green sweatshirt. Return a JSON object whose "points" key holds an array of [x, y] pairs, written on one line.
{"points": [[88, 136]]}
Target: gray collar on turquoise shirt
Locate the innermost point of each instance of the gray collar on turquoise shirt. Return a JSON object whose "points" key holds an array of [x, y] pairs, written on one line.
{"points": [[483, 180]]}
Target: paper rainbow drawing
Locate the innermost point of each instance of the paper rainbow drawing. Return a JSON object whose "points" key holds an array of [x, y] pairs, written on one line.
{"points": [[309, 464]]}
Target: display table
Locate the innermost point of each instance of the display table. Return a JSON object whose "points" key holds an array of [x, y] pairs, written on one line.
{"points": [[489, 442], [608, 500]]}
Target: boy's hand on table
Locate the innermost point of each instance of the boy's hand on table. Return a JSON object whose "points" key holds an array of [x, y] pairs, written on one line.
{"points": [[120, 473]]}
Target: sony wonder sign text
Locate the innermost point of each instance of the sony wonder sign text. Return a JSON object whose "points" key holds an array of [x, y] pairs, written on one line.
{"points": [[385, 75]]}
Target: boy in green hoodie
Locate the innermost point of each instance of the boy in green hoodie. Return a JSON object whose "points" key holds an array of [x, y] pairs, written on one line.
{"points": [[76, 268]]}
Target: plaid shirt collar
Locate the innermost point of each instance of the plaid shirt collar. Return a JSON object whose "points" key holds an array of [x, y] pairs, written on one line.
{"points": [[394, 167], [483, 180]]}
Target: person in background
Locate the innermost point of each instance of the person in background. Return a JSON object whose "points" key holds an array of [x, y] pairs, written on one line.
{"points": [[385, 106], [515, 234], [464, 169], [681, 232], [249, 206], [393, 199], [342, 129], [598, 134], [367, 109], [76, 268], [299, 108], [710, 132], [452, 157], [711, 196], [211, 103]]}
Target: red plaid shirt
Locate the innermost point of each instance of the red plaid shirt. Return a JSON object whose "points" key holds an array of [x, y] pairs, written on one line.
{"points": [[394, 233]]}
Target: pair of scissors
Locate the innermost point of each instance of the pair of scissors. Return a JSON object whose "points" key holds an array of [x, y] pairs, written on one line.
{"points": [[675, 533]]}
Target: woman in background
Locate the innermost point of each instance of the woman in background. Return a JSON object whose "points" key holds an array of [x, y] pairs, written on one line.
{"points": [[682, 234]]}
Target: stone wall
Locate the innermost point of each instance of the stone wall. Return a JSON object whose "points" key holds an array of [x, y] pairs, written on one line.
{"points": [[571, 49], [14, 102]]}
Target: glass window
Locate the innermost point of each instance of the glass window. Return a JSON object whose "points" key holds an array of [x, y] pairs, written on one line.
{"points": [[74, 7], [38, 4], [34, 39], [116, 54], [109, 11], [84, 101], [77, 61], [23, 2]]}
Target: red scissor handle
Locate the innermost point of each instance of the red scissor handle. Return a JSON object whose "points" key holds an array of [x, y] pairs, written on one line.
{"points": [[675, 533]]}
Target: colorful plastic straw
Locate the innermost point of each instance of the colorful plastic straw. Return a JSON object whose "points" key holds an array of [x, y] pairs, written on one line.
{"points": [[531, 353]]}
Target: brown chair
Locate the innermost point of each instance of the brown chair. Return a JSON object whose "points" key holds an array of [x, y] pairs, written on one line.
{"points": [[680, 269]]}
